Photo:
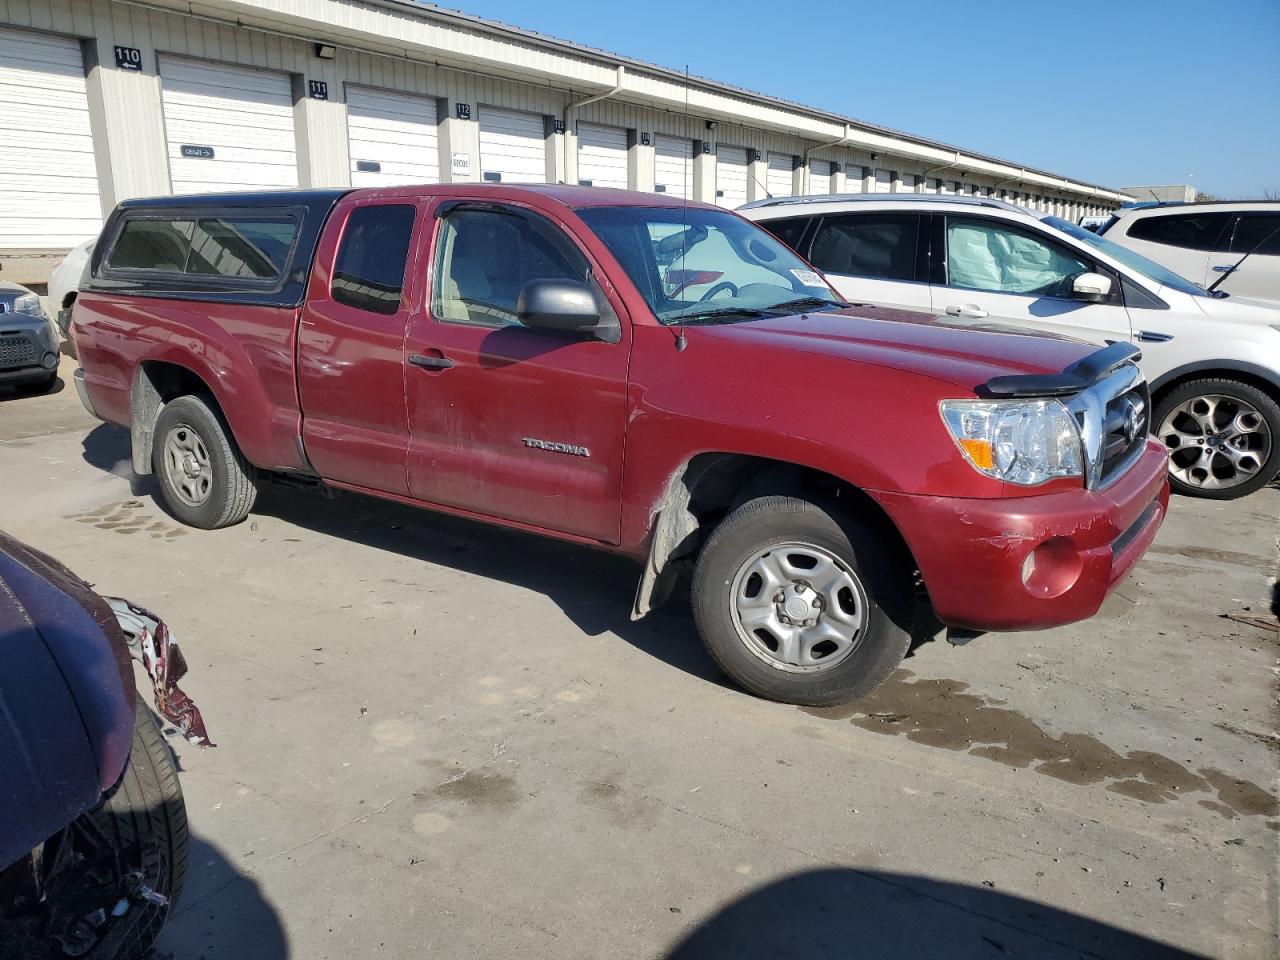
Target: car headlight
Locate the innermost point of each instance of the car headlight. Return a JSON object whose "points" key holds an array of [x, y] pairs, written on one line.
{"points": [[29, 304], [1020, 441]]}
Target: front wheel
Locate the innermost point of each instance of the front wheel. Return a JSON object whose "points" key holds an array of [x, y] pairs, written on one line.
{"points": [[204, 478], [1223, 438], [800, 604]]}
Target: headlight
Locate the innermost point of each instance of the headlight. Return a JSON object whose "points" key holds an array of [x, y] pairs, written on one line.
{"points": [[1021, 441], [29, 304]]}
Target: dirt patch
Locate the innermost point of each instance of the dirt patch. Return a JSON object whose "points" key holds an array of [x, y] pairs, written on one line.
{"points": [[1206, 553], [940, 713], [128, 518], [490, 789]]}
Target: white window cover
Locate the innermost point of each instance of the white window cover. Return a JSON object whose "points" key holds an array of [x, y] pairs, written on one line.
{"points": [[393, 138], [673, 166], [227, 127], [819, 177], [513, 146], [778, 178], [731, 176], [602, 156], [48, 181]]}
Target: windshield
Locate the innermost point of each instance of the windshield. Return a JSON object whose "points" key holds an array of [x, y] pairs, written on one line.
{"points": [[695, 265], [1134, 261]]}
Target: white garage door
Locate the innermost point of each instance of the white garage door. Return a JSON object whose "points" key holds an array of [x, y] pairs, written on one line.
{"points": [[819, 177], [853, 178], [673, 166], [513, 146], [884, 181], [777, 179], [731, 176], [392, 138], [48, 182], [602, 156], [228, 128], [908, 182]]}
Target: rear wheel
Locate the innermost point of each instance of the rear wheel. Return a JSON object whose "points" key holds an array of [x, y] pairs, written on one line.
{"points": [[205, 480], [1223, 438], [800, 604]]}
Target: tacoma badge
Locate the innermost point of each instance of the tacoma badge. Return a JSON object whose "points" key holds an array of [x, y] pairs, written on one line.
{"points": [[569, 448]]}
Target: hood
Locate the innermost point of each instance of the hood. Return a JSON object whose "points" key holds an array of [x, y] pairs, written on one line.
{"points": [[1254, 311], [966, 353]]}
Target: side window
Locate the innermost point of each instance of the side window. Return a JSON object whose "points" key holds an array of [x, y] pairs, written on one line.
{"points": [[789, 230], [241, 248], [1253, 229], [1198, 231], [986, 255], [160, 245], [484, 258], [880, 245], [368, 273]]}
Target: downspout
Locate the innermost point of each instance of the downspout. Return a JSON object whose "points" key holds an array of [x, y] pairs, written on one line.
{"points": [[932, 170], [569, 108], [1022, 175], [848, 130]]}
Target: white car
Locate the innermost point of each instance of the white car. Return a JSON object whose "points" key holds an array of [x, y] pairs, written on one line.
{"points": [[1236, 245], [1212, 361], [65, 283]]}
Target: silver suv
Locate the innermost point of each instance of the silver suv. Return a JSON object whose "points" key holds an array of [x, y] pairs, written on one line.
{"points": [[28, 341]]}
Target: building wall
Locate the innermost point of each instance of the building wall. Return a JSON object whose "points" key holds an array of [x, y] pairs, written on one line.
{"points": [[1180, 192], [129, 127]]}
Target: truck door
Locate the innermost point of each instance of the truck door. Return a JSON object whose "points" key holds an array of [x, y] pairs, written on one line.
{"points": [[351, 346], [504, 420]]}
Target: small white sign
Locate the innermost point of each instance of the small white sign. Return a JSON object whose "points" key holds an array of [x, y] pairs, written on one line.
{"points": [[461, 164], [808, 278]]}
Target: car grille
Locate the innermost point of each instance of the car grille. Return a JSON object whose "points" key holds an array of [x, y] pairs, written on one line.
{"points": [[1125, 426], [17, 349]]}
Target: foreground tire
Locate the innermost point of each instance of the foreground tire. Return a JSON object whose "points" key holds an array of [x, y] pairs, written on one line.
{"points": [[205, 480], [130, 851], [1223, 438], [800, 604]]}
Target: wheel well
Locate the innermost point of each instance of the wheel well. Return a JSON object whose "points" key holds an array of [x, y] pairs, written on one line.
{"points": [[712, 485], [1213, 373], [156, 383]]}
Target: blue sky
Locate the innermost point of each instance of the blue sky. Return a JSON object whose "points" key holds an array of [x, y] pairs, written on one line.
{"points": [[1120, 92]]}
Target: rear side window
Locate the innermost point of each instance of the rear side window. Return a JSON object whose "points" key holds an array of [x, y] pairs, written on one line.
{"points": [[243, 248], [879, 245], [368, 273], [1194, 231], [789, 230], [1254, 229]]}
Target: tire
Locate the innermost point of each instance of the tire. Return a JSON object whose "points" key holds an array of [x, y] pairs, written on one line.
{"points": [[145, 812], [191, 433], [37, 387], [776, 532], [1207, 415]]}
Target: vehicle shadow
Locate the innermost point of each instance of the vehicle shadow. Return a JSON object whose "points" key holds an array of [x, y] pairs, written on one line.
{"points": [[857, 914], [594, 589], [8, 393], [220, 913]]}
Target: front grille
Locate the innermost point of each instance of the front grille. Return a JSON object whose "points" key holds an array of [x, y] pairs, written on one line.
{"points": [[1125, 425], [17, 349]]}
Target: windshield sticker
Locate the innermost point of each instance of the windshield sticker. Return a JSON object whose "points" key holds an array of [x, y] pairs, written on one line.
{"points": [[808, 278]]}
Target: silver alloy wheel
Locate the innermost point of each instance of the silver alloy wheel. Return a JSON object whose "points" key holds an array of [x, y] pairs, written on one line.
{"points": [[1215, 442], [186, 461], [798, 607]]}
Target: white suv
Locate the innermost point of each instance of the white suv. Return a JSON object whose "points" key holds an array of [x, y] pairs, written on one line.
{"points": [[1213, 361], [1205, 241]]}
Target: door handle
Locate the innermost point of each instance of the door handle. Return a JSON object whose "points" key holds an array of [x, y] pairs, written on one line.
{"points": [[430, 363], [972, 311], [1225, 268]]}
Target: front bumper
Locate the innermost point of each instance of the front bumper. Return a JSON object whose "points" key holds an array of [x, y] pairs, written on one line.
{"points": [[1025, 563], [28, 349]]}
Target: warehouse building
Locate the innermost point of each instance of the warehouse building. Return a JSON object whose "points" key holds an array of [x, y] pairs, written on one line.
{"points": [[109, 99]]}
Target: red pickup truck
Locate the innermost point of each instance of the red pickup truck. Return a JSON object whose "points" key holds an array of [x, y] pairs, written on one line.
{"points": [[653, 377]]}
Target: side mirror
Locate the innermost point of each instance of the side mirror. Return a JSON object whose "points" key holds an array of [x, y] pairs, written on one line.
{"points": [[1091, 287], [565, 305]]}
